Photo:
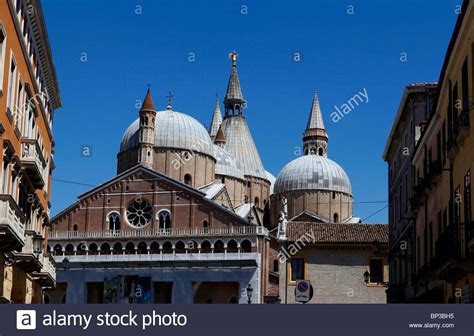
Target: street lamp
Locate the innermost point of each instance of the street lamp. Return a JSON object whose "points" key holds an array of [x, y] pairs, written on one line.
{"points": [[249, 294], [366, 277], [37, 244], [66, 264]]}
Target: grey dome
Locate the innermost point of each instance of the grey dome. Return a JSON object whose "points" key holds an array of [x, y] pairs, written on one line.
{"points": [[313, 172], [226, 165], [173, 130]]}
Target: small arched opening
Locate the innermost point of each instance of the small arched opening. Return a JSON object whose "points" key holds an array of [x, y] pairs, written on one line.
{"points": [[130, 248], [246, 246], [93, 249], [188, 179], [167, 248], [206, 247], [232, 246], [219, 247], [118, 248]]}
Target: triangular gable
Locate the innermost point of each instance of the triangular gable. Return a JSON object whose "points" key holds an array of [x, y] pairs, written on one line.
{"points": [[308, 216], [137, 172]]}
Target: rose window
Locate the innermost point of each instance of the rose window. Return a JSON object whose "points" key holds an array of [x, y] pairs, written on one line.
{"points": [[139, 213]]}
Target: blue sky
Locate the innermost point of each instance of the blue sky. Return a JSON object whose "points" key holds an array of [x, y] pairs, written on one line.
{"points": [[129, 47]]}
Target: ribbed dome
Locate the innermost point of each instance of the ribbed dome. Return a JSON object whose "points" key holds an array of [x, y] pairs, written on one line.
{"points": [[172, 130], [313, 172], [226, 165]]}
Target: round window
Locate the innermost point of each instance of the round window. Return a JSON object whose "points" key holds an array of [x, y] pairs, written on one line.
{"points": [[139, 213]]}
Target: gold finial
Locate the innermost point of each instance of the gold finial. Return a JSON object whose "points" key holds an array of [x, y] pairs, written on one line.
{"points": [[233, 56]]}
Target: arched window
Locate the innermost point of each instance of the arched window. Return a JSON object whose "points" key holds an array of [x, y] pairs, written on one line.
{"points": [[46, 299], [75, 227], [321, 151], [336, 218], [164, 219], [257, 201], [114, 221], [187, 179]]}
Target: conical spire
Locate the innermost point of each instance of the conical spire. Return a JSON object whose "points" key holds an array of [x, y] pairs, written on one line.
{"points": [[216, 120], [148, 102], [315, 119], [233, 100], [220, 138], [315, 137]]}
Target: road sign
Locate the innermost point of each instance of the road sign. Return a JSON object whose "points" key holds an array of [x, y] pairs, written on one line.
{"points": [[303, 291]]}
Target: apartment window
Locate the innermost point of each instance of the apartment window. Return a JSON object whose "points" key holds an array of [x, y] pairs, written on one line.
{"points": [[297, 269], [5, 173], [465, 85], [443, 140], [425, 246], [11, 84], [18, 113], [457, 207], [455, 106], [418, 251], [430, 240], [3, 44], [467, 198], [376, 270]]}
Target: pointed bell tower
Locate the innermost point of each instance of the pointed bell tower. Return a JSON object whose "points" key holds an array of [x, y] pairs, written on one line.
{"points": [[147, 131], [315, 137], [234, 100], [216, 120]]}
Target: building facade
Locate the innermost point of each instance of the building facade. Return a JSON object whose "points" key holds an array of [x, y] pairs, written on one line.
{"points": [[29, 95], [180, 223], [317, 237], [442, 247], [443, 163], [416, 106]]}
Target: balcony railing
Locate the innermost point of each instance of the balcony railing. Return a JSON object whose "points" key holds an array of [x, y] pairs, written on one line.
{"points": [[47, 275], [172, 257], [33, 160], [12, 224], [153, 233]]}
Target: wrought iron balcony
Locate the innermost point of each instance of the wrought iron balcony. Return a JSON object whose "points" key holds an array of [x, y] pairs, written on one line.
{"points": [[33, 161], [156, 233], [46, 276], [12, 225], [461, 127], [448, 246], [458, 133]]}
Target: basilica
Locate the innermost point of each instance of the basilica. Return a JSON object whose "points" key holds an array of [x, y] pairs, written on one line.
{"points": [[192, 216]]}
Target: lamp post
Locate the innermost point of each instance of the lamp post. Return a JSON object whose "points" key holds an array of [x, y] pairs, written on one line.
{"points": [[249, 293], [366, 277]]}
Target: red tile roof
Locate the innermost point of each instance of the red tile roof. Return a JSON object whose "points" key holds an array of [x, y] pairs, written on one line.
{"points": [[339, 233]]}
